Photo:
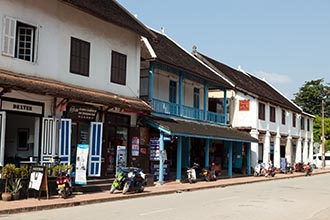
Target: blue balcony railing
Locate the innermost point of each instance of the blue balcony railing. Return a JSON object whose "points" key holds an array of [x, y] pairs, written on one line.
{"points": [[165, 107], [191, 112], [187, 112]]}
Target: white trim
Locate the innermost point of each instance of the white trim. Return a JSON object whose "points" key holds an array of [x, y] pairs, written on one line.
{"points": [[149, 47], [2, 137]]}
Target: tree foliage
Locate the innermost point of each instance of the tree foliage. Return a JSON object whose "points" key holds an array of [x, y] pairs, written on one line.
{"points": [[310, 97]]}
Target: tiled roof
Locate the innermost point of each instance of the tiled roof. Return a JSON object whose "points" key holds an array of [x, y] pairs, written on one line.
{"points": [[111, 11], [196, 128], [248, 83], [170, 53], [10, 81]]}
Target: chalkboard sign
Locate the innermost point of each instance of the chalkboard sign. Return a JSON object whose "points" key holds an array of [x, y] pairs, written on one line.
{"points": [[39, 180]]}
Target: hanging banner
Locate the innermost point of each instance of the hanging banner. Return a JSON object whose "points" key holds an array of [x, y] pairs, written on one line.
{"points": [[81, 164], [135, 146], [121, 158]]}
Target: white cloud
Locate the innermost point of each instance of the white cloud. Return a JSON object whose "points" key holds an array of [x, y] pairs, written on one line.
{"points": [[274, 78]]}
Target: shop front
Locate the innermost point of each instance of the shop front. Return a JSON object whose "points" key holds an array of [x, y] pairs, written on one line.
{"points": [[20, 122]]}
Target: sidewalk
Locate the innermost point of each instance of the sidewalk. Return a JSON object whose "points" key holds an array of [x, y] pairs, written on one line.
{"points": [[32, 204]]}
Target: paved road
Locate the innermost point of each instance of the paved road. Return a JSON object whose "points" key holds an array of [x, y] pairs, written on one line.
{"points": [[304, 198]]}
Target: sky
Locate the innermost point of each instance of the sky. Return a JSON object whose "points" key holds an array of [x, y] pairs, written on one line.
{"points": [[286, 42]]}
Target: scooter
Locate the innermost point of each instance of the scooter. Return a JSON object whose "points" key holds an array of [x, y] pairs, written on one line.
{"points": [[120, 180], [271, 171], [64, 184], [191, 173], [259, 170], [308, 169], [136, 180]]}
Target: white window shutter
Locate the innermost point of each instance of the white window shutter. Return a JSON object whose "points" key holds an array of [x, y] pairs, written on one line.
{"points": [[9, 36]]}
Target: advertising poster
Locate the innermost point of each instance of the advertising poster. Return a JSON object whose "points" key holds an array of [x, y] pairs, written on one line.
{"points": [[135, 146], [81, 164], [121, 159]]}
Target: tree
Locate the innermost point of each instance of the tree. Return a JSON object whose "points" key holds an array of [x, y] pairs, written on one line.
{"points": [[310, 97], [317, 128]]}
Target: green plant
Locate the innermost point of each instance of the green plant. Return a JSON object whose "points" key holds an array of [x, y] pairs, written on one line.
{"points": [[8, 171], [24, 172], [15, 185]]}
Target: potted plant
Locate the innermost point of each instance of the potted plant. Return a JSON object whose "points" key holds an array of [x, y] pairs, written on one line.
{"points": [[8, 172], [15, 187]]}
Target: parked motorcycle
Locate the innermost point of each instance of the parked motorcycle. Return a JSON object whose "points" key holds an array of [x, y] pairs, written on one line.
{"points": [[136, 180], [299, 167], [191, 173], [259, 170], [271, 171], [120, 180], [289, 168], [64, 184], [308, 169]]}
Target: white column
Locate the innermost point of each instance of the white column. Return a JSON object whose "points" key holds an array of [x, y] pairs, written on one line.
{"points": [[266, 157], [277, 150], [311, 151], [254, 148], [288, 149], [305, 151], [298, 151]]}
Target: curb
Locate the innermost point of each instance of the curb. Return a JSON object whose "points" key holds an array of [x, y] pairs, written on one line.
{"points": [[192, 188]]}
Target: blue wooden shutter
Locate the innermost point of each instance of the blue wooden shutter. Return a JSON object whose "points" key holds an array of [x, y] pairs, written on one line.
{"points": [[65, 141], [49, 139], [2, 137], [95, 150]]}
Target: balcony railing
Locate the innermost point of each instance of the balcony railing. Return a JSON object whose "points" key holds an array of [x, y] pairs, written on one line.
{"points": [[187, 112]]}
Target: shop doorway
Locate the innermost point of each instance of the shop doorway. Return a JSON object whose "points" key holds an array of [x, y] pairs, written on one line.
{"points": [[21, 138]]}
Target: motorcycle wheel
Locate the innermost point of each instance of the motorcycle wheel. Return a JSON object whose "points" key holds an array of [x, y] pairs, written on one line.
{"points": [[255, 174], [141, 189], [125, 189], [112, 189]]}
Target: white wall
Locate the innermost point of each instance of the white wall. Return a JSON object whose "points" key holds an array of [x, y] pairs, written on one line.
{"points": [[57, 23], [245, 118]]}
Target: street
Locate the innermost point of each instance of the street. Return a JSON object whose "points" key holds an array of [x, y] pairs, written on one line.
{"points": [[303, 198]]}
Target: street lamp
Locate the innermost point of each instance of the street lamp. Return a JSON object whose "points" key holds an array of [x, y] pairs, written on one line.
{"points": [[323, 147]]}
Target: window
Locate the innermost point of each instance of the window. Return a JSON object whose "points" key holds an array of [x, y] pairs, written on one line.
{"points": [[283, 117], [272, 114], [308, 126], [172, 95], [262, 111], [118, 68], [196, 98], [302, 123], [294, 119], [19, 39], [79, 58]]}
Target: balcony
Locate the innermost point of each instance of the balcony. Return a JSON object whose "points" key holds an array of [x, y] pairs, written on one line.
{"points": [[187, 112]]}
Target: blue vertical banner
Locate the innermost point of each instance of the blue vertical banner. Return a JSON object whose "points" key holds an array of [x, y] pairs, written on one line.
{"points": [[81, 164]]}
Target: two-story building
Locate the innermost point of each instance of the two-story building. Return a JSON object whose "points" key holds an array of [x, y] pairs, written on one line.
{"points": [[69, 76], [184, 128], [255, 106]]}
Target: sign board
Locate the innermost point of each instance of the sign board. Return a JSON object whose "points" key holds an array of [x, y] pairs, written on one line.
{"points": [[21, 107], [81, 164], [121, 158], [77, 111], [244, 105], [39, 180], [135, 146]]}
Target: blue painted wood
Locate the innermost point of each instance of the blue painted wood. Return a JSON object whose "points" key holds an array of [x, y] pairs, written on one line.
{"points": [[224, 106], [161, 162], [179, 159], [180, 93], [207, 153], [185, 152], [95, 149], [65, 141], [205, 100], [248, 156], [230, 158]]}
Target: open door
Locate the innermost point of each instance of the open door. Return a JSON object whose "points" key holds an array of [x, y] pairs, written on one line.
{"points": [[49, 139], [2, 137], [65, 141], [95, 150]]}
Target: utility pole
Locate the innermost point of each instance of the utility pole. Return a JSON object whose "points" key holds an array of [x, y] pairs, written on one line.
{"points": [[323, 147]]}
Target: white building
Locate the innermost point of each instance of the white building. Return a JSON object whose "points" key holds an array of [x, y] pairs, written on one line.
{"points": [[73, 62], [282, 128]]}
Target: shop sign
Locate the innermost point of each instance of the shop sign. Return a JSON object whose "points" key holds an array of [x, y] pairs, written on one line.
{"points": [[21, 107], [244, 105], [135, 146], [83, 112]]}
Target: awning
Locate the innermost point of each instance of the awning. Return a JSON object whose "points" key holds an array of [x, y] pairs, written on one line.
{"points": [[198, 129], [10, 81]]}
